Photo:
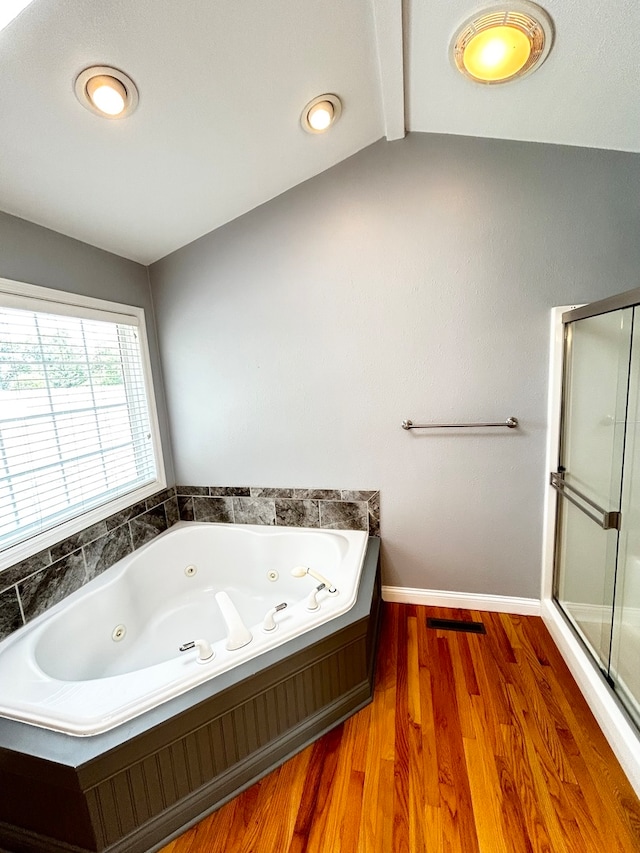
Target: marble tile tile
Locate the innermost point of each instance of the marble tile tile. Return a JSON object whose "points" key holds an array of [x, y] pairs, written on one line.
{"points": [[49, 586], [160, 497], [78, 540], [172, 511], [297, 513], [107, 550], [373, 507], [261, 492], [192, 490], [21, 570], [229, 491], [10, 616], [355, 495], [125, 515], [147, 526], [317, 494], [254, 510], [213, 509], [185, 508], [344, 515]]}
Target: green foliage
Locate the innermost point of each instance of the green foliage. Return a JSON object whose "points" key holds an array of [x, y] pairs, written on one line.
{"points": [[65, 366], [106, 368]]}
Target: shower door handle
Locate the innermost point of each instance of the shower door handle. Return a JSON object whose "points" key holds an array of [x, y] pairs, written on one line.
{"points": [[607, 520]]}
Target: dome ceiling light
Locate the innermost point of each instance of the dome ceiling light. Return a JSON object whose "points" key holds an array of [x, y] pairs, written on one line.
{"points": [[503, 42], [106, 91], [321, 113]]}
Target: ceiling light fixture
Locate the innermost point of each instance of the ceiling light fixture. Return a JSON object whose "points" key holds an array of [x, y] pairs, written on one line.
{"points": [[321, 113], [503, 42], [106, 91]]}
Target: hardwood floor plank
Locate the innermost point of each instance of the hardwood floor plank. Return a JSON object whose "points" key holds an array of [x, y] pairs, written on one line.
{"points": [[509, 622], [433, 830], [309, 829], [415, 773], [413, 671], [385, 823], [470, 680], [538, 810], [512, 810], [487, 807], [491, 691], [402, 719], [428, 730], [340, 790], [285, 801], [473, 744], [454, 785], [350, 826], [458, 648], [371, 784]]}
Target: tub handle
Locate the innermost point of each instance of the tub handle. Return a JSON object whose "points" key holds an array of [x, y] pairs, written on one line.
{"points": [[270, 623], [312, 601], [205, 652]]}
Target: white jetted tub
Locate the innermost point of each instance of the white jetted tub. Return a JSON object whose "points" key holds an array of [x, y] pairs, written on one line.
{"points": [[111, 650]]}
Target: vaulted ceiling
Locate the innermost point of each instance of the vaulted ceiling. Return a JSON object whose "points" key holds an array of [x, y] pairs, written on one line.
{"points": [[222, 84]]}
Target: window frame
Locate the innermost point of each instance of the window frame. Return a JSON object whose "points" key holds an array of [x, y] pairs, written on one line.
{"points": [[34, 297]]}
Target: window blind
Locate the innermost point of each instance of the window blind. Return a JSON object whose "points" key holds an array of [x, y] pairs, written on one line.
{"points": [[75, 429]]}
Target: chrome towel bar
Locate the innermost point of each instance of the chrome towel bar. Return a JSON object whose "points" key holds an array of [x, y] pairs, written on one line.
{"points": [[511, 423]]}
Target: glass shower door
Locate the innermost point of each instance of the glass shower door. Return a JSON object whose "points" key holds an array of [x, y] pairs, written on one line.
{"points": [[624, 669], [589, 475]]}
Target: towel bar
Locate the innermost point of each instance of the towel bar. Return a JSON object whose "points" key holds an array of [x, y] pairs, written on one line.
{"points": [[511, 423]]}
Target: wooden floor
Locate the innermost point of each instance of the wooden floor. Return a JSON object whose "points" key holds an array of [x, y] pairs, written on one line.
{"points": [[472, 743]]}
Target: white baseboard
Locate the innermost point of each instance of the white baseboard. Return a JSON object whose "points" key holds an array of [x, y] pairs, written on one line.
{"points": [[463, 600], [617, 729]]}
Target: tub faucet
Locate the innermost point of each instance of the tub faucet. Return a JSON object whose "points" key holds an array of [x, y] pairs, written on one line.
{"points": [[312, 601], [238, 635], [301, 571], [205, 652], [270, 623]]}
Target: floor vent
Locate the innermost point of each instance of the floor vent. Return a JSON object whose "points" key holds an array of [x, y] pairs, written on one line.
{"points": [[456, 625]]}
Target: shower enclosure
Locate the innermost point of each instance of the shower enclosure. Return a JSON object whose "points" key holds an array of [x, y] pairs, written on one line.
{"points": [[597, 478]]}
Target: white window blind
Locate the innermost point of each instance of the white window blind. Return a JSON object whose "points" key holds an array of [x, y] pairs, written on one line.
{"points": [[75, 424]]}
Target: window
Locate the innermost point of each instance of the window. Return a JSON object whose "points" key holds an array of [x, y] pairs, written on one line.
{"points": [[78, 428]]}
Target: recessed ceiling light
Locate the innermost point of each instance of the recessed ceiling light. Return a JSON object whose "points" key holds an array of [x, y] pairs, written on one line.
{"points": [[321, 113], [106, 91], [503, 43], [10, 9]]}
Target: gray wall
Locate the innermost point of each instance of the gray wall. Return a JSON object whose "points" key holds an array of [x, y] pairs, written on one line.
{"points": [[413, 280], [36, 255]]}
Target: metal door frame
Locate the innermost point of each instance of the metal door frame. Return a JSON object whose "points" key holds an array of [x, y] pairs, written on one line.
{"points": [[610, 520]]}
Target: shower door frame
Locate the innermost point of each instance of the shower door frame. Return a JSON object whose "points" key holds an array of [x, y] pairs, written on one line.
{"points": [[606, 707]]}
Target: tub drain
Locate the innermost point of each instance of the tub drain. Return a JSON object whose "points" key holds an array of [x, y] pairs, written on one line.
{"points": [[118, 633]]}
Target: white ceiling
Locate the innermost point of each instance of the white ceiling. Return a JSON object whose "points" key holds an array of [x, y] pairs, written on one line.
{"points": [[222, 84]]}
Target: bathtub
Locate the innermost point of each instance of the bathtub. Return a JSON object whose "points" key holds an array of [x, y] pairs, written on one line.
{"points": [[111, 650]]}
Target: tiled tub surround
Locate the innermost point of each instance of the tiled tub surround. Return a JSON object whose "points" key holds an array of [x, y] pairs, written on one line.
{"points": [[37, 583], [335, 509]]}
